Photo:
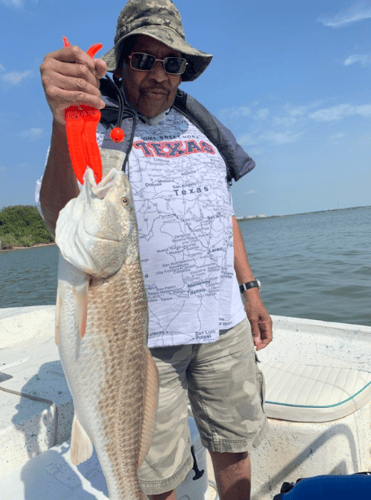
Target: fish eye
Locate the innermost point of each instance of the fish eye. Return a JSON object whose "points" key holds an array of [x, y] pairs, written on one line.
{"points": [[125, 201]]}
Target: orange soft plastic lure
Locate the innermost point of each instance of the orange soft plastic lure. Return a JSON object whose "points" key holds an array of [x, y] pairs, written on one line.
{"points": [[81, 127]]}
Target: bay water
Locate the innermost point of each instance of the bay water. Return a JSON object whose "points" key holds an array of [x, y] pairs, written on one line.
{"points": [[315, 265]]}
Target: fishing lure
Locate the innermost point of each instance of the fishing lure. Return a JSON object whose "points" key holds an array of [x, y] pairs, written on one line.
{"points": [[81, 128]]}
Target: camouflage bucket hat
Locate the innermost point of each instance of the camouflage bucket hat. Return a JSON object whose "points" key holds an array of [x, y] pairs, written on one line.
{"points": [[161, 20]]}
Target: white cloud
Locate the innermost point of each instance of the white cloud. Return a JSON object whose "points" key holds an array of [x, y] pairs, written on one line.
{"points": [[363, 59], [32, 134], [287, 124], [338, 135], [13, 3], [339, 112], [262, 114], [272, 137], [235, 112], [364, 110], [247, 140], [15, 77], [285, 121], [298, 111], [292, 115], [2, 67], [254, 152], [336, 138], [330, 114], [353, 14], [278, 138], [283, 125]]}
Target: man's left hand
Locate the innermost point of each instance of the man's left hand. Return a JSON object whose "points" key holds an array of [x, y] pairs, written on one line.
{"points": [[260, 321]]}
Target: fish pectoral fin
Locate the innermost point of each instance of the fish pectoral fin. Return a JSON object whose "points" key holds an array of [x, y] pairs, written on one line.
{"points": [[58, 316], [150, 408], [81, 300], [81, 445]]}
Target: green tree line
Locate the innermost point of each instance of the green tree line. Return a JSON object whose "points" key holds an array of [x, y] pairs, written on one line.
{"points": [[22, 225]]}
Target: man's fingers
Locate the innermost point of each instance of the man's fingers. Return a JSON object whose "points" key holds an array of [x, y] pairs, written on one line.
{"points": [[262, 344], [63, 99], [73, 54], [255, 332], [52, 70], [100, 68], [69, 77], [266, 335], [76, 85]]}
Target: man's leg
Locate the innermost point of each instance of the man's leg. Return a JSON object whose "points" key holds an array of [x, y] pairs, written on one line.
{"points": [[226, 390], [232, 475], [170, 495], [169, 458]]}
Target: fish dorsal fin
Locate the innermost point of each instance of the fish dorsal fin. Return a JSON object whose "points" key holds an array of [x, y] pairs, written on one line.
{"points": [[81, 445], [150, 407], [80, 292]]}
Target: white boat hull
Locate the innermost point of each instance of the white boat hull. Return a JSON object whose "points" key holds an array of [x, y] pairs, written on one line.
{"points": [[30, 427]]}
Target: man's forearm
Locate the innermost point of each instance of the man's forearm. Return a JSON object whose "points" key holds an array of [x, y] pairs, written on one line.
{"points": [[241, 263], [59, 183], [260, 321]]}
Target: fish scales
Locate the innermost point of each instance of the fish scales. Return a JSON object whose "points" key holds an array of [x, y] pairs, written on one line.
{"points": [[108, 367], [126, 361]]}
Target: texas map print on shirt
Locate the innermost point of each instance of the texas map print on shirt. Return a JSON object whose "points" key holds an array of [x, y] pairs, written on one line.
{"points": [[178, 179]]}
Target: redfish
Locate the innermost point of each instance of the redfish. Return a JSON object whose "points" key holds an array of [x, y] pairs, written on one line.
{"points": [[102, 331]]}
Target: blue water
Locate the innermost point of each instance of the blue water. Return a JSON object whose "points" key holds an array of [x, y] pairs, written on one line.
{"points": [[28, 277], [314, 265]]}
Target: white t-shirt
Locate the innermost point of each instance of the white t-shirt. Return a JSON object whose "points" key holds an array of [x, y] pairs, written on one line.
{"points": [[184, 212]]}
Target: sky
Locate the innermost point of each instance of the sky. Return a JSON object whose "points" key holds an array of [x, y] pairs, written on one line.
{"points": [[290, 79]]}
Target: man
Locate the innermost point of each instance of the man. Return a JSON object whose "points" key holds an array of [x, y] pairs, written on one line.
{"points": [[189, 239]]}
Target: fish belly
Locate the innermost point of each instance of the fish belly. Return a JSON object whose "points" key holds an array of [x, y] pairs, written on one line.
{"points": [[110, 373]]}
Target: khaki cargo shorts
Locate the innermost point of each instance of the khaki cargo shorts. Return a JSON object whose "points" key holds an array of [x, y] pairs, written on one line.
{"points": [[226, 391]]}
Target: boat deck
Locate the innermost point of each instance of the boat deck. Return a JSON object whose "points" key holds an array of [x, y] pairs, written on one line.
{"points": [[37, 409]]}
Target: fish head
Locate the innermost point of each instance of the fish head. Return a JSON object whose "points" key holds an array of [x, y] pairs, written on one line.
{"points": [[97, 231]]}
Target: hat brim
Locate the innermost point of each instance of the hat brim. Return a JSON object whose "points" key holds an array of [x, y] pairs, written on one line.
{"points": [[197, 60]]}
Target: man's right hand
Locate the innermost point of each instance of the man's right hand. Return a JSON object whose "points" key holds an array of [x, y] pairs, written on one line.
{"points": [[71, 77]]}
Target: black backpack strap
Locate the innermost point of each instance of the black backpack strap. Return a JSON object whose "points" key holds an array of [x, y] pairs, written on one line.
{"points": [[238, 162]]}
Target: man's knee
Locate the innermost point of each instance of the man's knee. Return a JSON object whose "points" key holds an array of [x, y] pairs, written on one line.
{"points": [[229, 456]]}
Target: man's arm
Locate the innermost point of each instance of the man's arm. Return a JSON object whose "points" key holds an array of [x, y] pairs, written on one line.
{"points": [[59, 183], [69, 77], [260, 321]]}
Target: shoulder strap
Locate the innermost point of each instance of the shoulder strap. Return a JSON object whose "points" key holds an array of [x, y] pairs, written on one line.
{"points": [[238, 162], [116, 110]]}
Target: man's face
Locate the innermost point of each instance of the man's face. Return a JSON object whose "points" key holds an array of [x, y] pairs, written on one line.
{"points": [[154, 91]]}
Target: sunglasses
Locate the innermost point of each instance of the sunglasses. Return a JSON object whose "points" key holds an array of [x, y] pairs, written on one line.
{"points": [[145, 62]]}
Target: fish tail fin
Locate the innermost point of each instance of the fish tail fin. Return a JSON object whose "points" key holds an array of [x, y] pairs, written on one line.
{"points": [[81, 445], [150, 407]]}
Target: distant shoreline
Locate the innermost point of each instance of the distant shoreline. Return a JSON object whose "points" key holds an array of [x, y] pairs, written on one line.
{"points": [[262, 216], [18, 247]]}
